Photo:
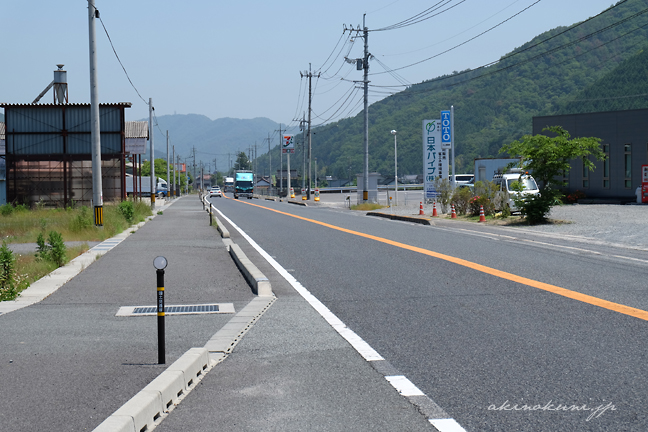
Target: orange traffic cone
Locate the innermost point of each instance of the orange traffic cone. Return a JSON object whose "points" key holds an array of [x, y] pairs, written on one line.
{"points": [[434, 212], [482, 218], [454, 214], [421, 212]]}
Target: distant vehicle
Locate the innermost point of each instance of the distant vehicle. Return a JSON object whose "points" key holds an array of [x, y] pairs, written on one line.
{"points": [[463, 178], [505, 183], [243, 184], [161, 190], [469, 185], [215, 192], [229, 184]]}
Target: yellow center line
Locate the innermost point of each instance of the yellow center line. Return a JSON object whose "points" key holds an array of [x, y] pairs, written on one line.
{"points": [[626, 310]]}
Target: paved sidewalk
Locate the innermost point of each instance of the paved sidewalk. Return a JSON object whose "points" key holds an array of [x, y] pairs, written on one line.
{"points": [[68, 362]]}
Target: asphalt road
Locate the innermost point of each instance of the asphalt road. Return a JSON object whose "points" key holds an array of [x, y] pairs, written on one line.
{"points": [[443, 305]]}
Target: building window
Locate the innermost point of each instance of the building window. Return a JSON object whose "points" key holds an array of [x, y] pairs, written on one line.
{"points": [[606, 167], [627, 153], [585, 175]]}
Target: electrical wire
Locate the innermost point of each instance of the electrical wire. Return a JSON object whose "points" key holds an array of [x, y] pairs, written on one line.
{"points": [[340, 108], [351, 88], [118, 59], [396, 76], [454, 36], [464, 42], [336, 45], [415, 92], [422, 16]]}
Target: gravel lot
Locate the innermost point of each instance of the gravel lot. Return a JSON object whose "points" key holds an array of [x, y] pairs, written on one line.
{"points": [[618, 224]]}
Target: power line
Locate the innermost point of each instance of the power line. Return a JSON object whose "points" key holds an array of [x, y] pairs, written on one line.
{"points": [[415, 92], [454, 36], [464, 42], [116, 55], [422, 16]]}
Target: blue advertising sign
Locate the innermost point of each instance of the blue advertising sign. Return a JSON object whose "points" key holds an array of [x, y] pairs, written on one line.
{"points": [[446, 130]]}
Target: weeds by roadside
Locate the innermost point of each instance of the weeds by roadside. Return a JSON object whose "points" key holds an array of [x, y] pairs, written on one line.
{"points": [[21, 225], [367, 206]]}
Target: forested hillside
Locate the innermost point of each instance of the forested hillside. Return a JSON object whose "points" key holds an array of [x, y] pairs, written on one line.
{"points": [[495, 105], [218, 139], [624, 88]]}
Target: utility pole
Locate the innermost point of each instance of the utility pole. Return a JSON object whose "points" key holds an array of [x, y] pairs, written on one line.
{"points": [[303, 124], [195, 185], [173, 158], [364, 64], [309, 74], [168, 167], [95, 130], [270, 169], [153, 179], [281, 160]]}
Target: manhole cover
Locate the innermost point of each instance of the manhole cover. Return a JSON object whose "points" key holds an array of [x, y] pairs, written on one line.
{"points": [[177, 309]]}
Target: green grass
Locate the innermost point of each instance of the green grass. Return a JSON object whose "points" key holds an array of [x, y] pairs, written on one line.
{"points": [[20, 225], [23, 226], [367, 206], [29, 269]]}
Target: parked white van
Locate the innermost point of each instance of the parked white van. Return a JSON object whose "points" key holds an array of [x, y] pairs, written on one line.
{"points": [[505, 182]]}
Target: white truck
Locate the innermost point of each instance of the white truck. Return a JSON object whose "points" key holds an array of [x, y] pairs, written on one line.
{"points": [[506, 190], [160, 191], [229, 184]]}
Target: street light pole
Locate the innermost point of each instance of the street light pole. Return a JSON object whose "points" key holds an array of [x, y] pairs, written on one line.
{"points": [[395, 168]]}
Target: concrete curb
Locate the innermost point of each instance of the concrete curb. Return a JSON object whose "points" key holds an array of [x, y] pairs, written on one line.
{"points": [[223, 341], [298, 203], [413, 219], [219, 226], [146, 408], [257, 280]]}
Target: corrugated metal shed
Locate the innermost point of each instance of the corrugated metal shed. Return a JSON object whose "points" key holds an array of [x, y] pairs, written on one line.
{"points": [[39, 129], [137, 129], [49, 157]]}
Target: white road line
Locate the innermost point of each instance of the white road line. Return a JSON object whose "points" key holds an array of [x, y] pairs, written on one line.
{"points": [[447, 425], [403, 385], [356, 341]]}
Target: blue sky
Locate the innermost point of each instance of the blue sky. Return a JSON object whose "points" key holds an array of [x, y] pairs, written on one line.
{"points": [[243, 59]]}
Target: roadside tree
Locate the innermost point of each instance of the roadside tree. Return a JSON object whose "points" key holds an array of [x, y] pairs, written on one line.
{"points": [[547, 158]]}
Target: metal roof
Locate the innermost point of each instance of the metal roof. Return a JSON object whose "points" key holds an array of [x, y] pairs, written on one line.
{"points": [[121, 104], [137, 129]]}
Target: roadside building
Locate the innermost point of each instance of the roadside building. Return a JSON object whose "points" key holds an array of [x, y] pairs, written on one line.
{"points": [[624, 140], [3, 166], [48, 153]]}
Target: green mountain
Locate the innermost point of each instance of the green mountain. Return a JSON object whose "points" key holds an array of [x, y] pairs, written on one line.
{"points": [[624, 88], [494, 105], [218, 139]]}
